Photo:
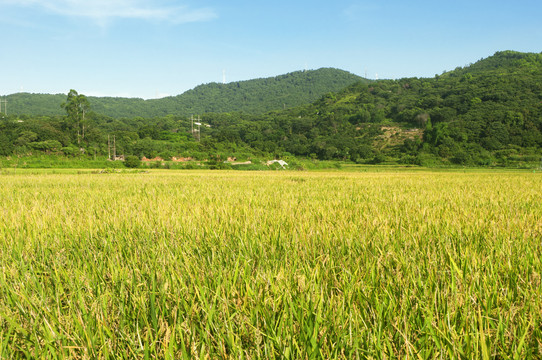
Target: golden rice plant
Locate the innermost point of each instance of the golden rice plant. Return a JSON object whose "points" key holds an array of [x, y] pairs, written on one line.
{"points": [[218, 265]]}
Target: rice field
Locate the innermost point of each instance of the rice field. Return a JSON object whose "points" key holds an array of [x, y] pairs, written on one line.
{"points": [[271, 265]]}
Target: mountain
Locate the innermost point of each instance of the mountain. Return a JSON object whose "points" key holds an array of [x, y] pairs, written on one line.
{"points": [[477, 115], [486, 114], [507, 61], [252, 96], [35, 104]]}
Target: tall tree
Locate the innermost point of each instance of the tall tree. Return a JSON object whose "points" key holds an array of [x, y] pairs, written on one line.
{"points": [[76, 106]]}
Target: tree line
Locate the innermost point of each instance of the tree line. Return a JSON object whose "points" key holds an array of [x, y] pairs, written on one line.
{"points": [[485, 114], [255, 96]]}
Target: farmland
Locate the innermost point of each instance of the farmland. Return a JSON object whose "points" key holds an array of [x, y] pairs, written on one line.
{"points": [[202, 264]]}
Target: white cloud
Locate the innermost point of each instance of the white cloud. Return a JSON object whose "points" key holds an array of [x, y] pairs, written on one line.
{"points": [[103, 11]]}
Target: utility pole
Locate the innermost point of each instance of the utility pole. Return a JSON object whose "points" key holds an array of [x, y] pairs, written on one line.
{"points": [[198, 124], [109, 147], [114, 149], [199, 128], [5, 106], [83, 122]]}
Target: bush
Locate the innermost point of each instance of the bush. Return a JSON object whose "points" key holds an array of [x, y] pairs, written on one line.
{"points": [[428, 160], [69, 150], [461, 158], [408, 160], [132, 161], [156, 165], [378, 159], [47, 145]]}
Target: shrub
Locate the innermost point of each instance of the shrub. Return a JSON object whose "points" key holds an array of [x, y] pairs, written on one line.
{"points": [[132, 161]]}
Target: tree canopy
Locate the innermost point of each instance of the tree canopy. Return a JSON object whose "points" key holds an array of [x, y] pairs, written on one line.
{"points": [[485, 114], [255, 96], [76, 106]]}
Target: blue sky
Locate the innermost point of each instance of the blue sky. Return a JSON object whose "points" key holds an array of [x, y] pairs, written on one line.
{"points": [[154, 48]]}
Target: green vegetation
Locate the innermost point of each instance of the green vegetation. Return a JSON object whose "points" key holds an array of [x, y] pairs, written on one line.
{"points": [[487, 114], [132, 161], [270, 265], [252, 96]]}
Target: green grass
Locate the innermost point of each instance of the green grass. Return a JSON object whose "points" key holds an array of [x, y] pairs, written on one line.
{"points": [[204, 264]]}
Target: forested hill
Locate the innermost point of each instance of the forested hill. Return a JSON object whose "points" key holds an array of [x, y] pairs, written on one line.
{"points": [[252, 96], [486, 112], [259, 95]]}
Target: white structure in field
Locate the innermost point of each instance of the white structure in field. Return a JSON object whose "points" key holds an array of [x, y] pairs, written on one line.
{"points": [[280, 162]]}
